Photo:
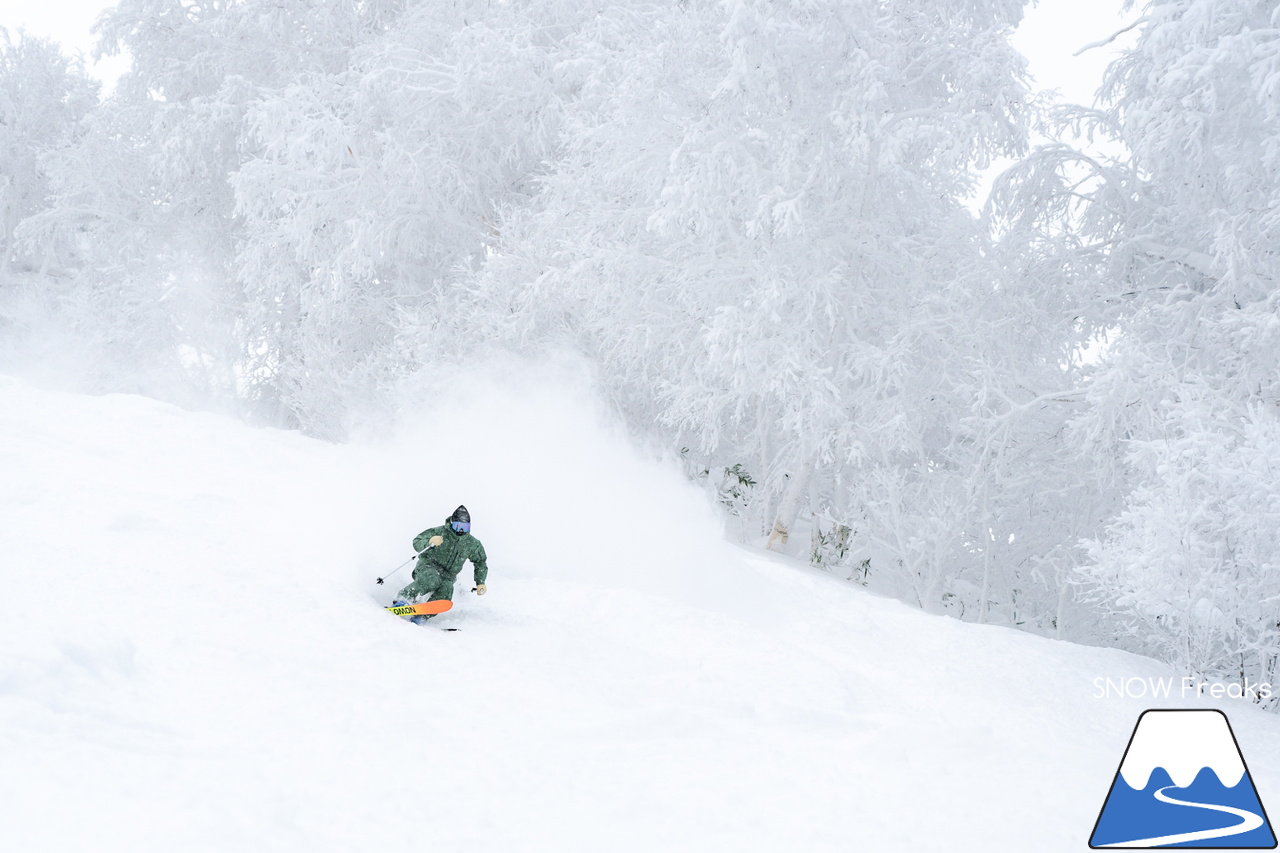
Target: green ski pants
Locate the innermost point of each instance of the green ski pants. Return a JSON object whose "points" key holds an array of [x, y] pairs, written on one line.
{"points": [[429, 584]]}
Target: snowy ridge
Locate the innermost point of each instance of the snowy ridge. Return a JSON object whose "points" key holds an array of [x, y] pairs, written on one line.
{"points": [[193, 656], [1183, 743]]}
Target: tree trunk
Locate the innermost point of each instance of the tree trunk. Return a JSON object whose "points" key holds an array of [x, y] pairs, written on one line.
{"points": [[789, 508]]}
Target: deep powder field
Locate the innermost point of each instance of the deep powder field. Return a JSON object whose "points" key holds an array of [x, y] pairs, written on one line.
{"points": [[193, 656]]}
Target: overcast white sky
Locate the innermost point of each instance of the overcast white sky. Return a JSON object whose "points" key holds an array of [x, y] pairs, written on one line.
{"points": [[1052, 32], [65, 21]]}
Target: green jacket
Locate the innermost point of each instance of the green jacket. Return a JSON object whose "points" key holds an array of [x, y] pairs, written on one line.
{"points": [[447, 558]]}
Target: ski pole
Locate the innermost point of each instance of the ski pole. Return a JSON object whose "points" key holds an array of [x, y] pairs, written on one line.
{"points": [[398, 568], [405, 563]]}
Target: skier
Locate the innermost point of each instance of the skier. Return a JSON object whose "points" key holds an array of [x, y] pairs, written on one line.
{"points": [[441, 553]]}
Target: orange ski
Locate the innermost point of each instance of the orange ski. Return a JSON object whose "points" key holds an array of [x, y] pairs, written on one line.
{"points": [[423, 609]]}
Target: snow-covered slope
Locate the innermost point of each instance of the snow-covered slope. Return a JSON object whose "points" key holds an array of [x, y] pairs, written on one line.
{"points": [[192, 657]]}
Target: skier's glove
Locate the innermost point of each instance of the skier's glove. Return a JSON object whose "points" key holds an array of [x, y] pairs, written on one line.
{"points": [[479, 590], [435, 540]]}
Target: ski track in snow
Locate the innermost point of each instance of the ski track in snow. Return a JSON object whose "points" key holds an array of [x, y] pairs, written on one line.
{"points": [[193, 656]]}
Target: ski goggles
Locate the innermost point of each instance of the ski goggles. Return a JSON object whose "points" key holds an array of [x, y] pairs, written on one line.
{"points": [[460, 526]]}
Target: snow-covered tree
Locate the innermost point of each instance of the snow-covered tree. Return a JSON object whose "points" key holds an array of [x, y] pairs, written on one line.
{"points": [[275, 183], [1172, 247], [1191, 563], [43, 98], [375, 186], [755, 226], [145, 208]]}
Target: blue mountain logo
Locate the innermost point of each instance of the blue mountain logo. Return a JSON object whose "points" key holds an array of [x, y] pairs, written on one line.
{"points": [[1183, 783]]}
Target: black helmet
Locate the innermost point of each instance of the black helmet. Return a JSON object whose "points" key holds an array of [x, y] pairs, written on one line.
{"points": [[460, 521]]}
